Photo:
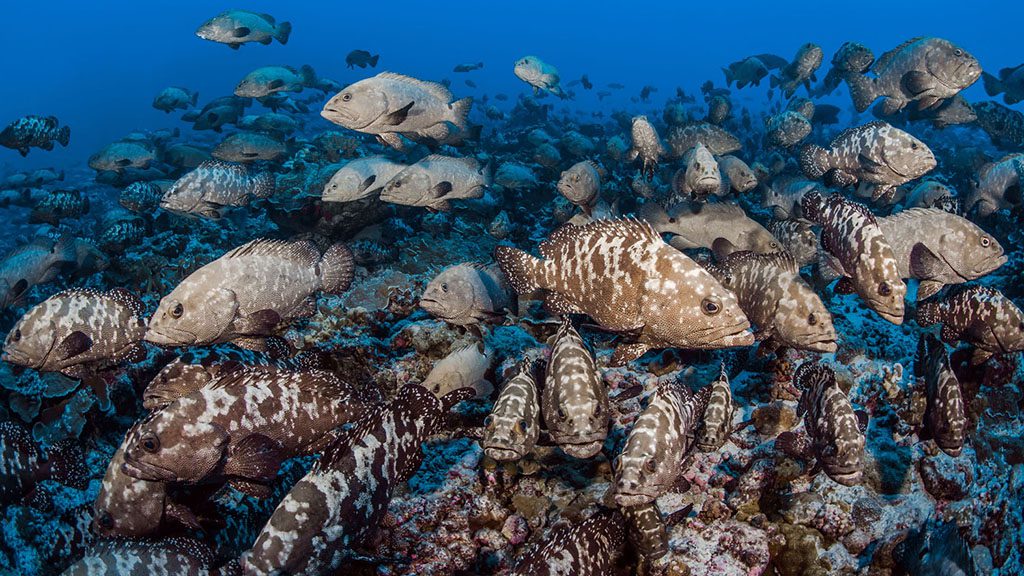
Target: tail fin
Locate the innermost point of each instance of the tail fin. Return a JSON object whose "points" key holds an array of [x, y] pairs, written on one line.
{"points": [[814, 161], [195, 98], [373, 60], [64, 135], [265, 185], [862, 90], [524, 272], [488, 173], [993, 85], [308, 75], [929, 313], [460, 110], [728, 76], [338, 267], [67, 464], [774, 81], [284, 30], [811, 206]]}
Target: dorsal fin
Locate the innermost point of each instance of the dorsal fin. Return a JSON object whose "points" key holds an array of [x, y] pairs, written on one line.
{"points": [[564, 233], [435, 89], [303, 251], [885, 59]]}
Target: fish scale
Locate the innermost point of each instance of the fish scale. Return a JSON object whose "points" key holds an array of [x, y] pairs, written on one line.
{"points": [[944, 412], [853, 238], [176, 556], [648, 535], [979, 315], [652, 459], [831, 423], [213, 185], [589, 548], [716, 423], [343, 499], [574, 399], [513, 426]]}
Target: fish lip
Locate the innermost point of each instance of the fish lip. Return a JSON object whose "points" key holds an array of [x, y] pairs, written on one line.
{"points": [[627, 499], [822, 346], [160, 339], [582, 449], [850, 478], [502, 454], [146, 470], [737, 334]]}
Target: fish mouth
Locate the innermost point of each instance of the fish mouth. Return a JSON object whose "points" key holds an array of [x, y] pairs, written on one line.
{"points": [[846, 477], [18, 358], [582, 449], [983, 267], [627, 499], [886, 312], [146, 470], [734, 335], [172, 337], [501, 453], [345, 118]]}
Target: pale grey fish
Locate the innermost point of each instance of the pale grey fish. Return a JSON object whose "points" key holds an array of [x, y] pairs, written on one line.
{"points": [[436, 180], [647, 146], [469, 293], [361, 178]]}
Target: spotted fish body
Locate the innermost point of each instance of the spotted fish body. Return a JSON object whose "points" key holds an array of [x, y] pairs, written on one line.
{"points": [[859, 251], [648, 535], [38, 131], [850, 57], [168, 557], [128, 507], [718, 141], [60, 204], [716, 423], [465, 367], [737, 173], [343, 499], [249, 293], [624, 276], [213, 185], [38, 262], [77, 331], [998, 186], [798, 238], [703, 225], [938, 248], [800, 71], [512, 429], [652, 459], [831, 423], [240, 428], [197, 367], [785, 310], [575, 399], [647, 146], [980, 316], [876, 153], [700, 178], [944, 412], [589, 548], [581, 184]]}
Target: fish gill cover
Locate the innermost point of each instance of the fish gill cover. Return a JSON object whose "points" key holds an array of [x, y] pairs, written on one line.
{"points": [[544, 288]]}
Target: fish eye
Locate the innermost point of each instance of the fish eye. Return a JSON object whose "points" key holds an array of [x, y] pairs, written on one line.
{"points": [[651, 465], [913, 145], [774, 245], [16, 337], [710, 307], [522, 425], [488, 421], [812, 319], [398, 184], [150, 443], [597, 410], [346, 97], [985, 242], [958, 52], [444, 287], [178, 310], [561, 414], [105, 520], [884, 289]]}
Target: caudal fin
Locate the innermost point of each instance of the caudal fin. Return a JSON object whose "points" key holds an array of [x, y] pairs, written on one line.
{"points": [[862, 90], [811, 205], [264, 185], [814, 161], [728, 76], [993, 85], [64, 135], [338, 268], [524, 272], [308, 75], [929, 313], [460, 112], [373, 60], [67, 464], [284, 30]]}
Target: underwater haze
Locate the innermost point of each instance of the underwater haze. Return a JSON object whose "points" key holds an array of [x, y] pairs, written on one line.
{"points": [[509, 289]]}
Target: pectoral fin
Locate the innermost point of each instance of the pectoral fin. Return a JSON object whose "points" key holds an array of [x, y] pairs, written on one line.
{"points": [[74, 344], [398, 116]]}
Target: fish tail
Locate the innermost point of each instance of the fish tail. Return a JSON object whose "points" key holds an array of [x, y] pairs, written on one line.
{"points": [[308, 75], [862, 90], [265, 185], [928, 313], [338, 268], [67, 464], [811, 206], [195, 98], [728, 76], [524, 272], [814, 161], [64, 135], [774, 81], [460, 110], [284, 30], [993, 85], [373, 60]]}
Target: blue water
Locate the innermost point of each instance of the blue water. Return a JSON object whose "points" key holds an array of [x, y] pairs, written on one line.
{"points": [[98, 66]]}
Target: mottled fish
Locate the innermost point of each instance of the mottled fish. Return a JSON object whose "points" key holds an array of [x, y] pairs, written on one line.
{"points": [[944, 418], [701, 226], [361, 178], [213, 185], [647, 146], [589, 548], [575, 399], [513, 426], [830, 421], [436, 180], [979, 315], [38, 131], [716, 422], [469, 293]]}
